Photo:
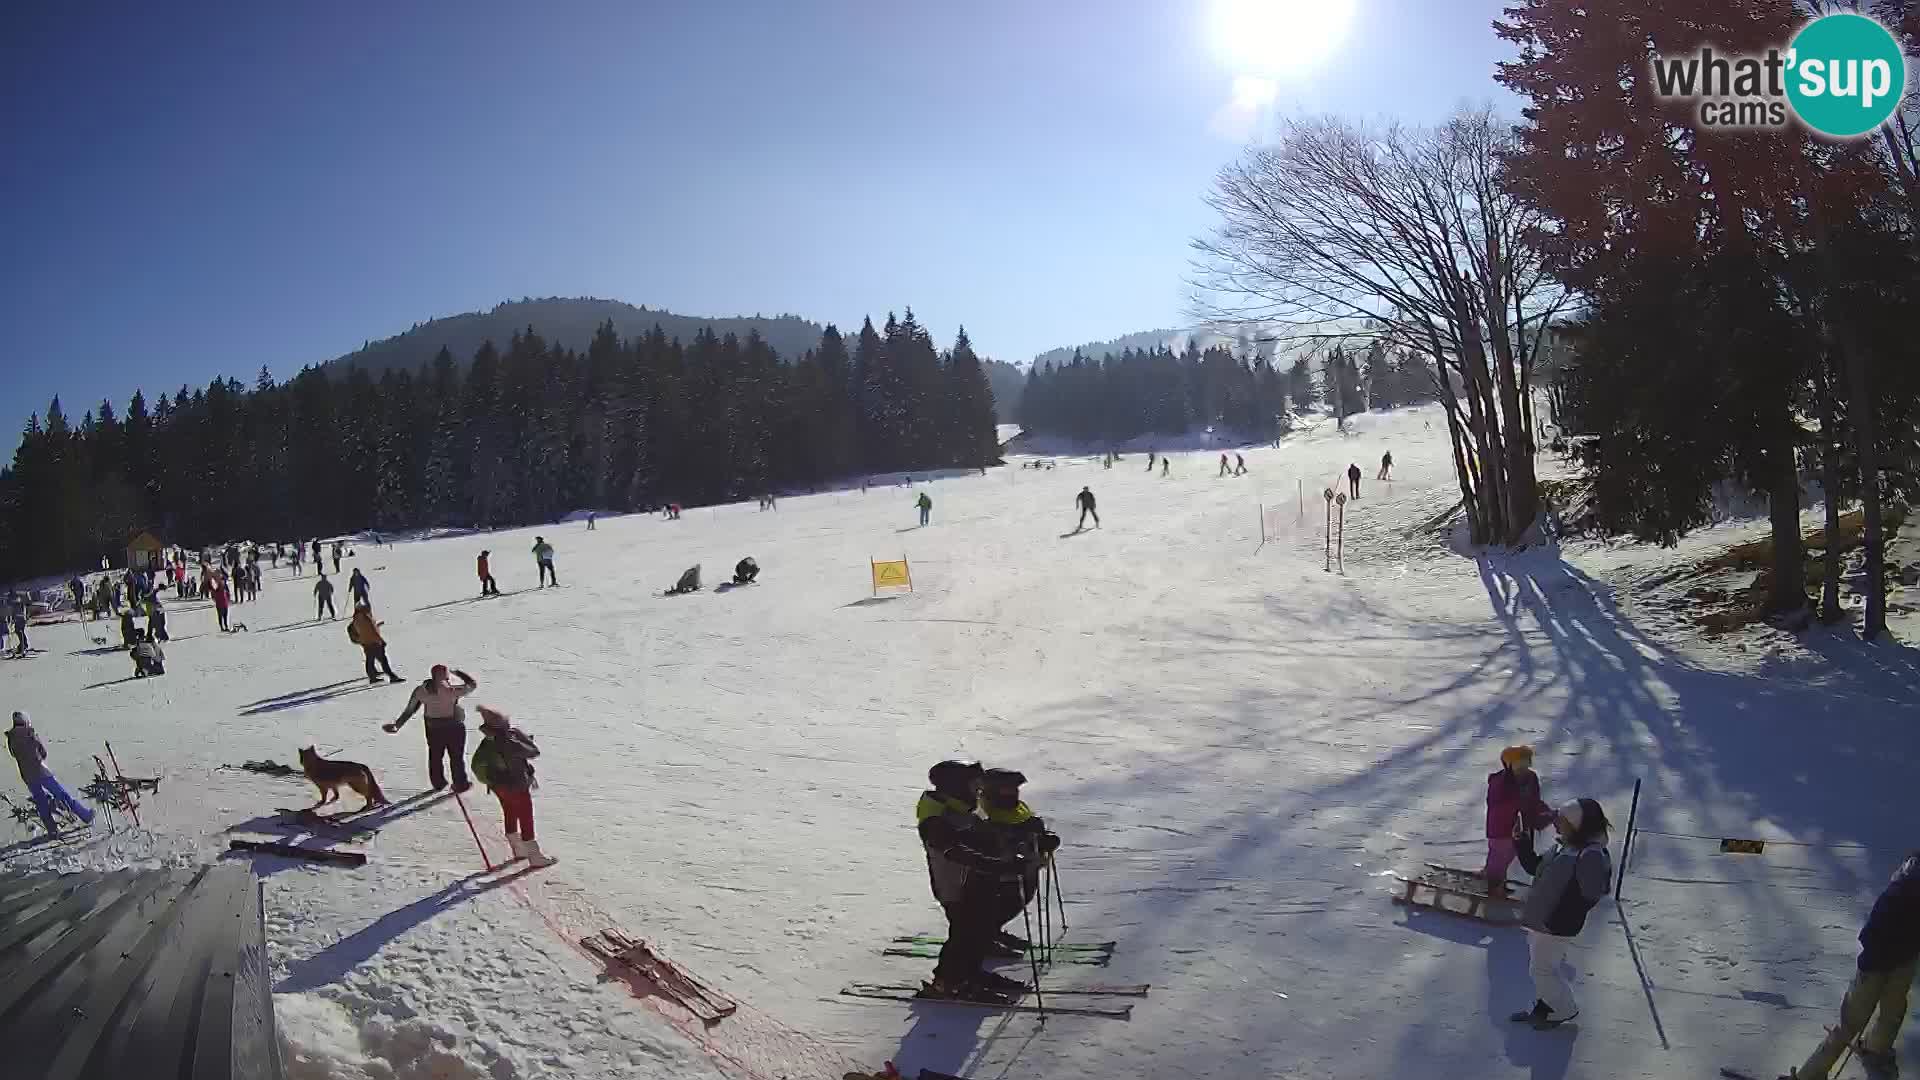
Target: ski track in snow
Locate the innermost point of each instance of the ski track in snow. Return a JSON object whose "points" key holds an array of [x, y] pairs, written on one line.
{"points": [[1238, 746]]}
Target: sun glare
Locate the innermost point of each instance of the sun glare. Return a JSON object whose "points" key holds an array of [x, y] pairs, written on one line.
{"points": [[1278, 38]]}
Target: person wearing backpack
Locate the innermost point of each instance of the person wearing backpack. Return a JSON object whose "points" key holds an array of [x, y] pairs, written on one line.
{"points": [[1567, 882], [504, 762]]}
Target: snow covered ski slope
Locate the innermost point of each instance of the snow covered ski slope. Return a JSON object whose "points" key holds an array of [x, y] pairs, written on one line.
{"points": [[1240, 749]]}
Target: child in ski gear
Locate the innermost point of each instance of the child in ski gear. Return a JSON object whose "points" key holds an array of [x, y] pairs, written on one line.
{"points": [[147, 658], [42, 785], [358, 586], [543, 555], [926, 507], [965, 876], [745, 571], [1513, 803], [487, 586], [1084, 501], [1889, 948], [323, 597], [1567, 882], [1353, 481], [504, 762], [1017, 833], [446, 724], [363, 631]]}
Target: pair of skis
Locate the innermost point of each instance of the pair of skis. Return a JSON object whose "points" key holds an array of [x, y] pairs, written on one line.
{"points": [[1098, 953], [1090, 953]]}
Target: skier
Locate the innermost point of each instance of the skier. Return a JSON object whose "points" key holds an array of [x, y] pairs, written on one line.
{"points": [[504, 762], [337, 546], [322, 597], [446, 724], [1386, 466], [20, 608], [156, 619], [42, 785], [360, 588], [1017, 832], [1150, 457], [148, 659], [1084, 501], [1353, 482], [1163, 467], [363, 631], [966, 880], [1889, 948], [926, 507], [745, 571], [590, 521], [487, 585], [299, 559], [1513, 803], [1239, 465], [543, 557], [1567, 882], [1224, 470], [317, 561]]}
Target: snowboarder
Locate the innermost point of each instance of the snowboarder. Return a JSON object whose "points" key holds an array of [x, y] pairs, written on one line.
{"points": [[44, 788], [487, 585], [322, 598], [1513, 804], [148, 659], [1084, 501], [360, 588], [156, 619], [1889, 949], [1567, 882], [543, 557], [364, 631], [1353, 482], [1017, 833], [1386, 466], [689, 581], [966, 880], [745, 571], [446, 724], [504, 762], [925, 504], [1239, 465]]}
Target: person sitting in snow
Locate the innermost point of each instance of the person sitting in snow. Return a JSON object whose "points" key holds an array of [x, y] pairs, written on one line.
{"points": [[689, 581], [1513, 804], [148, 659], [745, 571]]}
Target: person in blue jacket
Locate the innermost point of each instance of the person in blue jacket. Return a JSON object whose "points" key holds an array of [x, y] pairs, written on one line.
{"points": [[1889, 945]]}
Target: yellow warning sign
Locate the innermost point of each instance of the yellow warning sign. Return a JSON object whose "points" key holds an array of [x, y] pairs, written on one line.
{"points": [[892, 575]]}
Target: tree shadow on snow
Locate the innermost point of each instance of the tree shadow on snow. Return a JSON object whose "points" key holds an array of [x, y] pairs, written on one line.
{"points": [[1551, 661], [332, 963]]}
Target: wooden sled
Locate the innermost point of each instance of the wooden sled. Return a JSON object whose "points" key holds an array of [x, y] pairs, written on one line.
{"points": [[1445, 881], [632, 960]]}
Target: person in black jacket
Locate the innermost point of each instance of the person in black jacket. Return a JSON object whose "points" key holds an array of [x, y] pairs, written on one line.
{"points": [[967, 881], [1889, 946], [1017, 833]]}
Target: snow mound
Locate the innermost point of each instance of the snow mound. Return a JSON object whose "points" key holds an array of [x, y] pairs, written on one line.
{"points": [[321, 1040]]}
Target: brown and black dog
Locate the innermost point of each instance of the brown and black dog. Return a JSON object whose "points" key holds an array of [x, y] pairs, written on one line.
{"points": [[331, 776]]}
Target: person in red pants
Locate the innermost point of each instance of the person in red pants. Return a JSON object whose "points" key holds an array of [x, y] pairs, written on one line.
{"points": [[504, 762]]}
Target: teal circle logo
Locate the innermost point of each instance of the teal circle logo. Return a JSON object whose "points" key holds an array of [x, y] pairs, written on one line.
{"points": [[1846, 75]]}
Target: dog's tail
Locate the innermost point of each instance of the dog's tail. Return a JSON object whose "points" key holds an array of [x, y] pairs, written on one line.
{"points": [[374, 794]]}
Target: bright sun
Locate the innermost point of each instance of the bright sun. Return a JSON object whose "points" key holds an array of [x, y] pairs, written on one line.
{"points": [[1277, 39]]}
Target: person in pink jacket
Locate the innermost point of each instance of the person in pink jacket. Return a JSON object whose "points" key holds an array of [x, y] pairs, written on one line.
{"points": [[1513, 802]]}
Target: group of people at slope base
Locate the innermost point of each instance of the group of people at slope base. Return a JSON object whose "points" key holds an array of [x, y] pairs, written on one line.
{"points": [[503, 761], [1572, 878], [985, 849]]}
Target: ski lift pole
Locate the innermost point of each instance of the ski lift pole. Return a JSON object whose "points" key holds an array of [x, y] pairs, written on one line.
{"points": [[1626, 848]]}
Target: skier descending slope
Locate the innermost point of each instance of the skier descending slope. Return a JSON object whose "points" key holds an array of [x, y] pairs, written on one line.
{"points": [[966, 880]]}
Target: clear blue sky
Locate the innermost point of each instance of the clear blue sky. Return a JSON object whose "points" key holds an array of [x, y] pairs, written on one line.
{"points": [[197, 189]]}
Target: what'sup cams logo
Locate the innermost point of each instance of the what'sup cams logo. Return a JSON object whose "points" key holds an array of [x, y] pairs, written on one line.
{"points": [[1841, 76]]}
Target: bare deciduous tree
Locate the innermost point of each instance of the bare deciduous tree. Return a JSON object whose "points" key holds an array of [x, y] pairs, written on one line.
{"points": [[1402, 235]]}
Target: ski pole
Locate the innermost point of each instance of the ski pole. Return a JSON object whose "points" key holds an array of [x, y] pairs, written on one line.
{"points": [[1060, 898], [474, 831], [1033, 963]]}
